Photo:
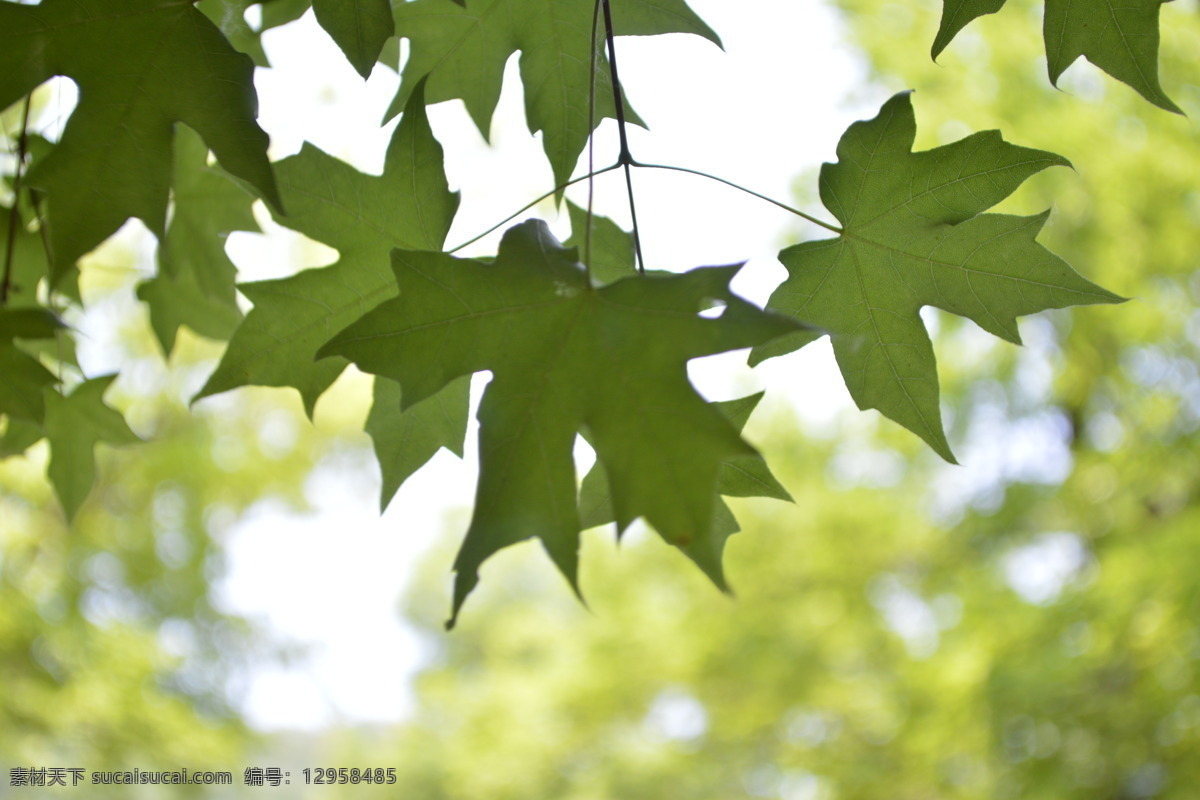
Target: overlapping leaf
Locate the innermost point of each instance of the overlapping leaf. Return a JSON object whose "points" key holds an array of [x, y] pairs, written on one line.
{"points": [[463, 49], [406, 438], [141, 65], [565, 356], [22, 377], [359, 27], [1120, 38], [363, 217], [914, 236], [20, 368], [75, 424], [195, 285], [30, 264], [230, 17], [611, 247], [741, 476]]}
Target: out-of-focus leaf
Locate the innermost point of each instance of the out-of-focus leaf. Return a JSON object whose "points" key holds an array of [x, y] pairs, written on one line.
{"points": [[22, 379], [75, 424], [196, 284]]}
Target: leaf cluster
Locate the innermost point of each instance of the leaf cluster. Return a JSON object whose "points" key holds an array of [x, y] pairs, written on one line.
{"points": [[581, 340]]}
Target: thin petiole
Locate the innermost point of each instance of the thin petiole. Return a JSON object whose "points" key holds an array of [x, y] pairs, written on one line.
{"points": [[739, 187], [533, 203]]}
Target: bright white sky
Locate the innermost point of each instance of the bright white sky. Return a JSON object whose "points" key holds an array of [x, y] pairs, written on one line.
{"points": [[767, 109]]}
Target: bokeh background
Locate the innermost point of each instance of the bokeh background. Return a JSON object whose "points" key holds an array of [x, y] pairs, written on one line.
{"points": [[1024, 626]]}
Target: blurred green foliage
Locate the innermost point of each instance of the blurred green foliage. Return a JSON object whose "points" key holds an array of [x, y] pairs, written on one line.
{"points": [[114, 651]]}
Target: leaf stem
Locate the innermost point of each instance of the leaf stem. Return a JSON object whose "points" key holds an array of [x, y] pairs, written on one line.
{"points": [[591, 186], [14, 214], [771, 200], [591, 174], [625, 159]]}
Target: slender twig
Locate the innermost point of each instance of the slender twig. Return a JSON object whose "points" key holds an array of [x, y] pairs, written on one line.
{"points": [[14, 214], [533, 203], [591, 186], [625, 159], [771, 200]]}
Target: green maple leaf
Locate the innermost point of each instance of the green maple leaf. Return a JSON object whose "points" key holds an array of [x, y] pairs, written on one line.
{"points": [[196, 281], [914, 236], [141, 65], [74, 425], [359, 27], [1119, 38], [463, 50], [363, 217], [742, 476], [565, 356]]}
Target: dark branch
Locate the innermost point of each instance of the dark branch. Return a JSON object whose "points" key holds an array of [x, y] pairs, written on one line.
{"points": [[625, 159]]}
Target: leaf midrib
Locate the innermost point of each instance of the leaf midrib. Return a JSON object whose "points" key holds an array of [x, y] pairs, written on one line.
{"points": [[852, 235]]}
